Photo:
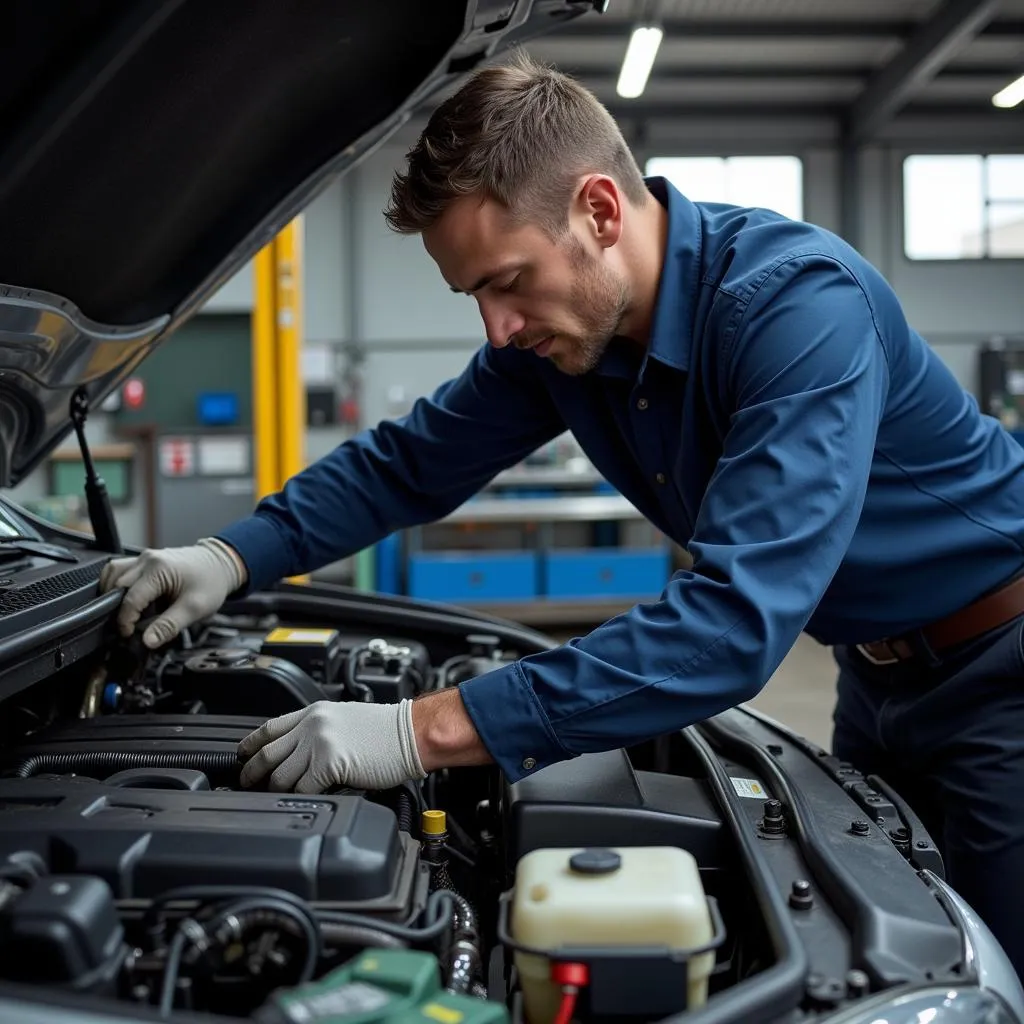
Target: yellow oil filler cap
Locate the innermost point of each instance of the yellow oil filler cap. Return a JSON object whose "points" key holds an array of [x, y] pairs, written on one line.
{"points": [[433, 823]]}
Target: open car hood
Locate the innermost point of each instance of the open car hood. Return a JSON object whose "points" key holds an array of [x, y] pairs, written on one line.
{"points": [[150, 148]]}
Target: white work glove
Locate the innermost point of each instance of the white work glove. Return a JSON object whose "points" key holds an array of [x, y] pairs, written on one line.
{"points": [[363, 746], [197, 579]]}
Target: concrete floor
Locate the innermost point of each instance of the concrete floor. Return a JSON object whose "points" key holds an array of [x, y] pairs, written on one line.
{"points": [[802, 692]]}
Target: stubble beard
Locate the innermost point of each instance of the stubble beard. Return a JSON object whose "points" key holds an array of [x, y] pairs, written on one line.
{"points": [[599, 300]]}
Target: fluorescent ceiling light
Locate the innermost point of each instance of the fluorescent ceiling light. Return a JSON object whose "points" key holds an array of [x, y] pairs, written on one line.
{"points": [[639, 59], [1011, 95]]}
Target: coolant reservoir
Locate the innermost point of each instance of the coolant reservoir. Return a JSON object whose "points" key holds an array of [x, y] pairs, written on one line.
{"points": [[623, 897]]}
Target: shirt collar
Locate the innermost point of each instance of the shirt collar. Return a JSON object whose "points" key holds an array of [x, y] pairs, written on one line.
{"points": [[671, 326]]}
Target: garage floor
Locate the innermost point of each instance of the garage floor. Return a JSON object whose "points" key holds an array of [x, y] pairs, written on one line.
{"points": [[802, 692]]}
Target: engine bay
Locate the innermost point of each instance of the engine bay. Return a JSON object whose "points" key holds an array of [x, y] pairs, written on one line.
{"points": [[135, 869]]}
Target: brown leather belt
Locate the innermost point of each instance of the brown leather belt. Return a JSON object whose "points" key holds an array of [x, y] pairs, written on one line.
{"points": [[988, 612]]}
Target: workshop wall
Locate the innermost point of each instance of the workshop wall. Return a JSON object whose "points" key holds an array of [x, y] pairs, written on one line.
{"points": [[955, 304], [381, 292]]}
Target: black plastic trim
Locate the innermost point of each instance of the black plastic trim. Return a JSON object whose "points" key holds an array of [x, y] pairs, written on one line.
{"points": [[60, 643], [832, 875], [779, 990], [924, 852]]}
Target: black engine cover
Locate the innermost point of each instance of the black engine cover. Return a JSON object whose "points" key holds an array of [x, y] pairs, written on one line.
{"points": [[63, 930], [227, 679], [599, 799], [340, 849], [131, 799]]}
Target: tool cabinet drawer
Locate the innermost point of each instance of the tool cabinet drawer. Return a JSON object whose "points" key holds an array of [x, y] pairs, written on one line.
{"points": [[456, 576], [606, 572]]}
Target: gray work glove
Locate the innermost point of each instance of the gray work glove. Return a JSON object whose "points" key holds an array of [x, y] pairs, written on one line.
{"points": [[363, 746], [197, 579]]}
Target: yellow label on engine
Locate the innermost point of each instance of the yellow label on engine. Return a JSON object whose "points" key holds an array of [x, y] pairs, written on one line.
{"points": [[286, 635], [444, 1014]]}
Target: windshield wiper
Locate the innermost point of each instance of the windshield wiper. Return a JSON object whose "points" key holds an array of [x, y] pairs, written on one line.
{"points": [[34, 546]]}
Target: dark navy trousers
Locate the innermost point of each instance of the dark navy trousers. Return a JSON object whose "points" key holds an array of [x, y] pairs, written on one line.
{"points": [[948, 734]]}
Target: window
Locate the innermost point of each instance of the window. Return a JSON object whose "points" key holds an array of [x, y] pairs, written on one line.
{"points": [[773, 182], [963, 206]]}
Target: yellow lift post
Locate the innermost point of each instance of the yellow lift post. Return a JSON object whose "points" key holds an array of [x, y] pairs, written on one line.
{"points": [[278, 396]]}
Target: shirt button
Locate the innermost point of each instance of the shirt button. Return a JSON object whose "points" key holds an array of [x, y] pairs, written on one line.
{"points": [[660, 477], [641, 404], [529, 763]]}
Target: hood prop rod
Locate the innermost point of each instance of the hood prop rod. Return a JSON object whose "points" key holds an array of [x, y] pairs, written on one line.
{"points": [[101, 513]]}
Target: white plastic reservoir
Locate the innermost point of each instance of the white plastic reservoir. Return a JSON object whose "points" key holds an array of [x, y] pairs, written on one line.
{"points": [[620, 897]]}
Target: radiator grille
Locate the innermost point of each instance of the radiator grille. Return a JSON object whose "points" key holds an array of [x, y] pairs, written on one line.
{"points": [[35, 594]]}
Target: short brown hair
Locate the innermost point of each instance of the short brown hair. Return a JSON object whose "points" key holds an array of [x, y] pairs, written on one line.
{"points": [[520, 133]]}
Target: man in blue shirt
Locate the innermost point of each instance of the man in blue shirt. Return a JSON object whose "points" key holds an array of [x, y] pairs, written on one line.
{"points": [[750, 383]]}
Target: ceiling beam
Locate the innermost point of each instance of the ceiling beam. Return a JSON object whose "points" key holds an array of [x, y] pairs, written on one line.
{"points": [[929, 47], [984, 120], [732, 108], [644, 109], [820, 72], [597, 28]]}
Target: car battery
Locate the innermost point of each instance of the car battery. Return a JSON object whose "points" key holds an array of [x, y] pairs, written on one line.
{"points": [[320, 653], [381, 986]]}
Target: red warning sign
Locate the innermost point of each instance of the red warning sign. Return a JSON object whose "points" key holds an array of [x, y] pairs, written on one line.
{"points": [[134, 393], [177, 457]]}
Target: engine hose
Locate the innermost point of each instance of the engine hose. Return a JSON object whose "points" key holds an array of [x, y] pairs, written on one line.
{"points": [[113, 760], [360, 935], [231, 921], [359, 690], [406, 812], [439, 915], [465, 963]]}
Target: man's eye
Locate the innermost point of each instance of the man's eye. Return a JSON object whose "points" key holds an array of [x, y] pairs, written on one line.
{"points": [[511, 284]]}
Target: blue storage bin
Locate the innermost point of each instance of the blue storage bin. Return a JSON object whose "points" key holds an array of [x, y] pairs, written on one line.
{"points": [[466, 576], [602, 573], [388, 565]]}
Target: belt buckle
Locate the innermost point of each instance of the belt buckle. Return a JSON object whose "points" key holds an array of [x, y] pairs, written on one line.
{"points": [[880, 662]]}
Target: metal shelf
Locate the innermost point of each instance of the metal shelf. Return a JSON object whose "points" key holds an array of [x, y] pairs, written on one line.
{"points": [[546, 476], [547, 612], [564, 509]]}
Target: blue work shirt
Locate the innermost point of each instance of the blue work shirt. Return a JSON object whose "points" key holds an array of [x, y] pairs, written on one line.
{"points": [[823, 467]]}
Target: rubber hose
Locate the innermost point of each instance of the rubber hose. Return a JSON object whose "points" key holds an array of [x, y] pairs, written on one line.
{"points": [[439, 910], [359, 690], [360, 935], [406, 812], [463, 917], [248, 911], [114, 760], [465, 961]]}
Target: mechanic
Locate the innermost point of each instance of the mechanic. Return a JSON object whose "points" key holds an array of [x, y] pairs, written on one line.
{"points": [[751, 385]]}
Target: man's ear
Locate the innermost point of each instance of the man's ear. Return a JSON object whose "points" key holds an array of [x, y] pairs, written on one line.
{"points": [[599, 204]]}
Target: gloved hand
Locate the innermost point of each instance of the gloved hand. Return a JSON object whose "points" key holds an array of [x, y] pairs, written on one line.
{"points": [[198, 579], [365, 746]]}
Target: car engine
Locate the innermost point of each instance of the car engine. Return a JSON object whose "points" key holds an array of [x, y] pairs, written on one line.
{"points": [[134, 868]]}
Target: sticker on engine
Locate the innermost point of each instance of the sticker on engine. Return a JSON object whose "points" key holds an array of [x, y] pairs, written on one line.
{"points": [[749, 788], [442, 1014], [350, 998], [284, 635]]}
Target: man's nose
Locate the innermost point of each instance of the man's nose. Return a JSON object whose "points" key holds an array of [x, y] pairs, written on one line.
{"points": [[500, 324]]}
